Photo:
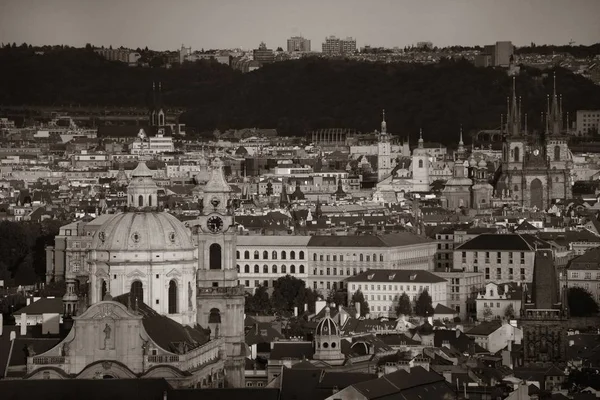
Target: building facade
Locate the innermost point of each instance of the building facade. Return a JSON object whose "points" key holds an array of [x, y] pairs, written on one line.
{"points": [[332, 259], [535, 170], [298, 44], [501, 258], [584, 272], [383, 288], [587, 122]]}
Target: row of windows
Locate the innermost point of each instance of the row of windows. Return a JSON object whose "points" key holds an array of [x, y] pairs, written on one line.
{"points": [[586, 275], [335, 257], [390, 287], [274, 269], [265, 255], [499, 273], [491, 305]]}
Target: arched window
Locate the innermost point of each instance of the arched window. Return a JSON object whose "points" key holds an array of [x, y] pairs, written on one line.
{"points": [[237, 254], [141, 201], [256, 269], [301, 269], [265, 255], [368, 257], [103, 289], [420, 163], [517, 154], [292, 255], [556, 153], [283, 255], [137, 292], [265, 269], [301, 256], [247, 255], [256, 255], [274, 269], [314, 256], [361, 257], [215, 316], [214, 252], [172, 297], [274, 255], [149, 201], [247, 268], [283, 269], [292, 269]]}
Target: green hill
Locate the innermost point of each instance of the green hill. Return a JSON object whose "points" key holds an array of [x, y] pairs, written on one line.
{"points": [[295, 96]]}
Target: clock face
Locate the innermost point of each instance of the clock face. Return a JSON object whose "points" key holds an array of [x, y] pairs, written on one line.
{"points": [[536, 152], [214, 224]]}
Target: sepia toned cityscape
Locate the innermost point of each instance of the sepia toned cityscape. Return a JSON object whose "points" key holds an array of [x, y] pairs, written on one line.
{"points": [[338, 200]]}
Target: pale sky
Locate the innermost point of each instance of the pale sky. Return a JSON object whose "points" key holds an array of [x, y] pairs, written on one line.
{"points": [[167, 24]]}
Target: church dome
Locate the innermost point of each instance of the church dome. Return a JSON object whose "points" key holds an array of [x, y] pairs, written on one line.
{"points": [[142, 231], [327, 326], [482, 163]]}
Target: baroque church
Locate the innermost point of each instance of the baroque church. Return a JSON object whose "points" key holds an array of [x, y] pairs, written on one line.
{"points": [[163, 301], [535, 168]]}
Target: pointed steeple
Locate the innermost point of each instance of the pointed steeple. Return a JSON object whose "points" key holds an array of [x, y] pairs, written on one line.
{"points": [[513, 117], [284, 201], [554, 123], [383, 124], [461, 144]]}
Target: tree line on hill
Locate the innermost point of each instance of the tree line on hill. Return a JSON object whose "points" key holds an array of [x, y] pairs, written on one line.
{"points": [[295, 96], [22, 250]]}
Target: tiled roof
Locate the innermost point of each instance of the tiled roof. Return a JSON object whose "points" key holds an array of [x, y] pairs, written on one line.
{"points": [[442, 309], [164, 331], [91, 389], [485, 328], [391, 240], [293, 350], [504, 242], [590, 260], [44, 305], [386, 275]]}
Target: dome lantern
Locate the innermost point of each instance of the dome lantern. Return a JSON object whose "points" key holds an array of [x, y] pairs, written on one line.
{"points": [[142, 192]]}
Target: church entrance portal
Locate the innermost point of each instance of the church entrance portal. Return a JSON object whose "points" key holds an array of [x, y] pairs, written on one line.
{"points": [[536, 194]]}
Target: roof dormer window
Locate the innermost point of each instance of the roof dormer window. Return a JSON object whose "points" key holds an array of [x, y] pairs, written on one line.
{"points": [[370, 276]]}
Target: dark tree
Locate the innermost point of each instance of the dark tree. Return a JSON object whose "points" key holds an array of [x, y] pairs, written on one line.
{"points": [[424, 307], [338, 297], [88, 47], [290, 292], [509, 311], [359, 297], [404, 307], [259, 302], [581, 302]]}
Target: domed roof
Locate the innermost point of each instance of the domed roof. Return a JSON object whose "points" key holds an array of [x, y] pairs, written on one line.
{"points": [[482, 163], [473, 162], [327, 326], [142, 231]]}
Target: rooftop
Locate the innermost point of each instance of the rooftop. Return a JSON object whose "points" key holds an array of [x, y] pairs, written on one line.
{"points": [[386, 275]]}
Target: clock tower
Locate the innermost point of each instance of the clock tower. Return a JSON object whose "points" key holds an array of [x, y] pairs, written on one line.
{"points": [[220, 300]]}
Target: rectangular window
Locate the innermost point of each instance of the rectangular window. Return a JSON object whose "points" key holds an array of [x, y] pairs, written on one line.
{"points": [[487, 273]]}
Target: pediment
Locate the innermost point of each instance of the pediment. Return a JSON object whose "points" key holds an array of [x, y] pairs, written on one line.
{"points": [[107, 309], [136, 273], [174, 272], [100, 273]]}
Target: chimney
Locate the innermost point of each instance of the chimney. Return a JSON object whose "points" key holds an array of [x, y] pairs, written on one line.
{"points": [[305, 307], [295, 311], [165, 395], [457, 333], [357, 306], [23, 324], [256, 328], [13, 335], [1, 323]]}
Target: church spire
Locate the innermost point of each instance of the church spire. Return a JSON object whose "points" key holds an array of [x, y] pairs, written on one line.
{"points": [[383, 123], [554, 116], [513, 117], [461, 144], [421, 138]]}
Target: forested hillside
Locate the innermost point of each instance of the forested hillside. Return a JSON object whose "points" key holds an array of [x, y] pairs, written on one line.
{"points": [[294, 96]]}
